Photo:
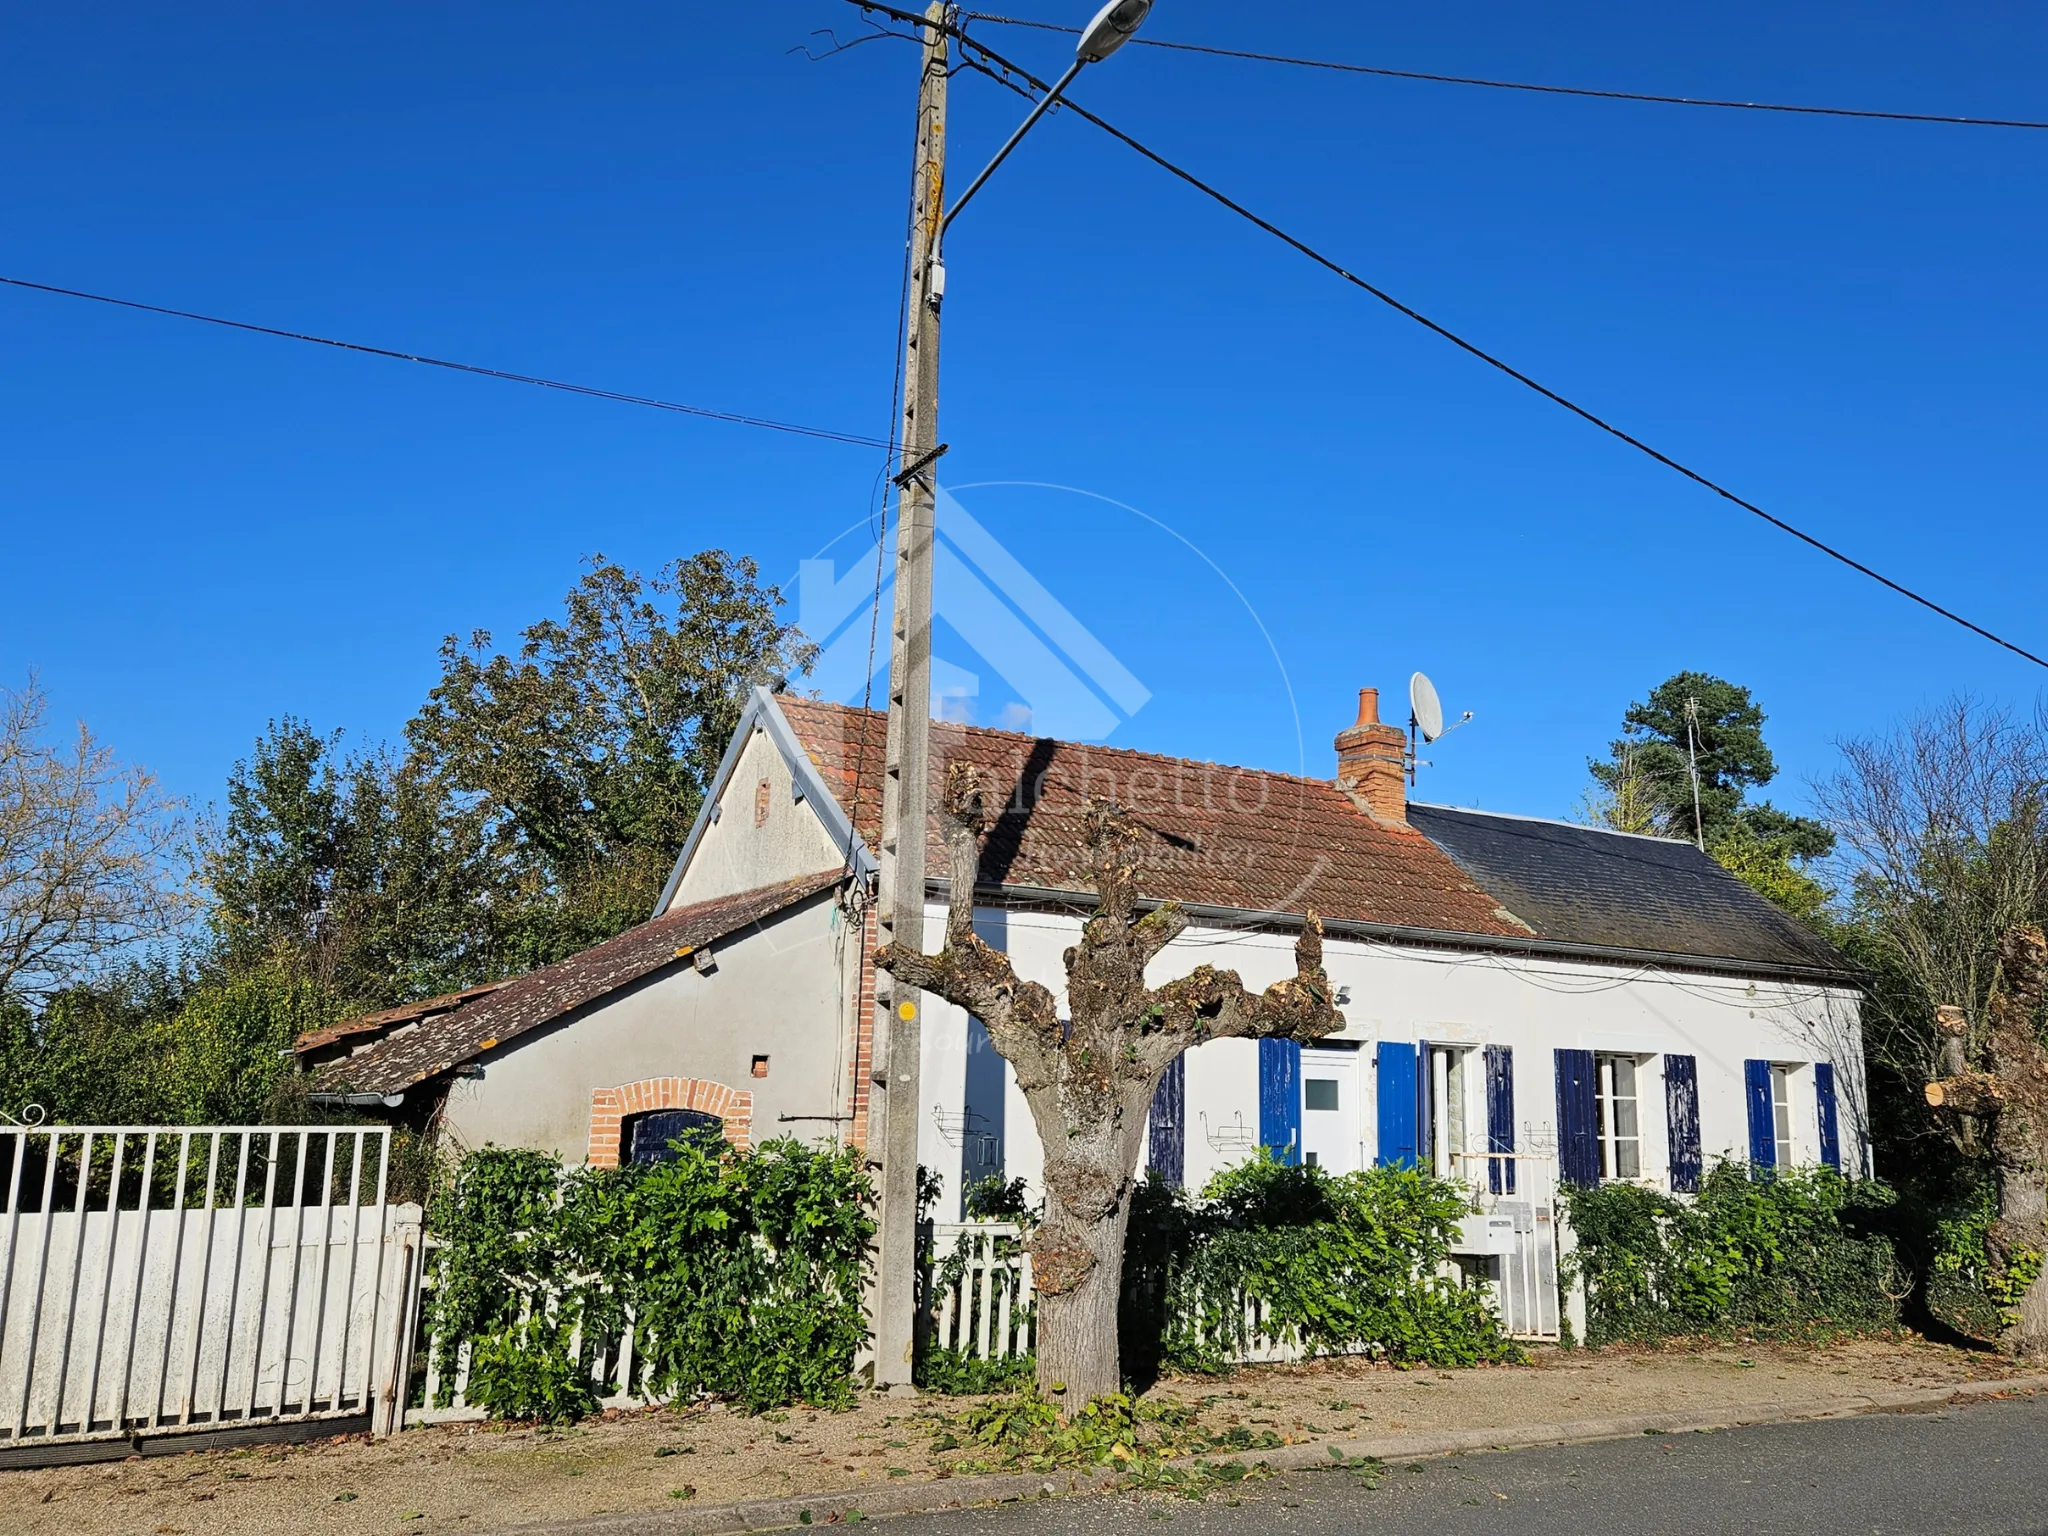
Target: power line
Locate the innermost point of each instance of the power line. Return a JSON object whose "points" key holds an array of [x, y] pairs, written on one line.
{"points": [[1525, 85], [733, 418], [1005, 69]]}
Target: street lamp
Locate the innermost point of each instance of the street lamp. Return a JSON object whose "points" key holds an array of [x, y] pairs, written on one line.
{"points": [[1114, 25]]}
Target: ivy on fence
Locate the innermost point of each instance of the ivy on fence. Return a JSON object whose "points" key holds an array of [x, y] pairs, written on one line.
{"points": [[1790, 1254], [740, 1272]]}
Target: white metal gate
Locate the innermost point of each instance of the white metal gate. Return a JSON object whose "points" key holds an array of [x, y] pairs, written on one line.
{"points": [[157, 1280]]}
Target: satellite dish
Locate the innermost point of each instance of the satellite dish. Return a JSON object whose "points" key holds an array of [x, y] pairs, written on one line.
{"points": [[1426, 707]]}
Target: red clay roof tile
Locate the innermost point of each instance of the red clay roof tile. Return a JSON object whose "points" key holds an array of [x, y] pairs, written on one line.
{"points": [[1242, 838]]}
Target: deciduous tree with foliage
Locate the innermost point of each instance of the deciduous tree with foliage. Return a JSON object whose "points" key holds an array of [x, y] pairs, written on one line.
{"points": [[534, 811], [365, 872], [588, 754], [1089, 1079]]}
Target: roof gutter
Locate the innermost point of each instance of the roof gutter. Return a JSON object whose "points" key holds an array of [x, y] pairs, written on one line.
{"points": [[356, 1100], [1439, 938]]}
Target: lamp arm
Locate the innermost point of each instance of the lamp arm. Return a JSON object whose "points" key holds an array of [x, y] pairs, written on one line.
{"points": [[1003, 154]]}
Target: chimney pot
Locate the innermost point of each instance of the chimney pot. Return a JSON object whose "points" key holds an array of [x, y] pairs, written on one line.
{"points": [[1372, 763]]}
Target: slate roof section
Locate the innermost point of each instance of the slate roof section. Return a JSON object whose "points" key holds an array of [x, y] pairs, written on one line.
{"points": [[445, 1041], [1586, 886], [1240, 838]]}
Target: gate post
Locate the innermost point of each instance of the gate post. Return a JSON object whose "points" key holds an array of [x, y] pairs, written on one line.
{"points": [[398, 1311]]}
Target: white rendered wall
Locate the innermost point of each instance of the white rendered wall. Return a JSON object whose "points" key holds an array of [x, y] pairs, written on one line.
{"points": [[740, 853], [782, 990], [1533, 1006]]}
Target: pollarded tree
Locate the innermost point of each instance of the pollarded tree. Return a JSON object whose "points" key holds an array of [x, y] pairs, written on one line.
{"points": [[1090, 1079], [2009, 1090]]}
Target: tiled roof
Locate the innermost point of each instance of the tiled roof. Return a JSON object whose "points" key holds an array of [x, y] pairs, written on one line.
{"points": [[387, 1019], [1584, 885], [1240, 838], [444, 1041]]}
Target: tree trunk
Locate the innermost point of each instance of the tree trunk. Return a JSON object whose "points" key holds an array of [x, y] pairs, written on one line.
{"points": [[1089, 1077], [1077, 1254], [1078, 1354], [2020, 1237], [2012, 1092]]}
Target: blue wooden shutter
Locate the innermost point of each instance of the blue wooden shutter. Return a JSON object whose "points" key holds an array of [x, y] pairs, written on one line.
{"points": [[1682, 1116], [1763, 1130], [1500, 1118], [1397, 1089], [1280, 1099], [1167, 1155], [1824, 1092], [1578, 1119]]}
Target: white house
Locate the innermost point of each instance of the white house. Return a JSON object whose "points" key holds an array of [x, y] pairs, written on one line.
{"points": [[1525, 1000]]}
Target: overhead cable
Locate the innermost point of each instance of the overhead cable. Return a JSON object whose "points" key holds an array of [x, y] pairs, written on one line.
{"points": [[1009, 73], [1532, 86], [731, 417]]}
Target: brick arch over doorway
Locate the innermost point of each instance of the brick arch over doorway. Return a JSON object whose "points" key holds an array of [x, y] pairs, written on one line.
{"points": [[610, 1108]]}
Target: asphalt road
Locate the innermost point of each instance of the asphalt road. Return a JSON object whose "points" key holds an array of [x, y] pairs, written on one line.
{"points": [[1970, 1471]]}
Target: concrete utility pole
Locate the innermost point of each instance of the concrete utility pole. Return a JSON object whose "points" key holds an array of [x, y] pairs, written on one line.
{"points": [[905, 783]]}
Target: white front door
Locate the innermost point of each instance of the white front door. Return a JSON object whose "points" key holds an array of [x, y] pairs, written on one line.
{"points": [[1332, 1125]]}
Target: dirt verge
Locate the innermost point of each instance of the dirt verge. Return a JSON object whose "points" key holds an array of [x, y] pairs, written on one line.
{"points": [[482, 1478]]}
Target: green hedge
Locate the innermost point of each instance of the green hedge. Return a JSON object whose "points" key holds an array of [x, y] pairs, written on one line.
{"points": [[1788, 1253], [1341, 1262], [743, 1272]]}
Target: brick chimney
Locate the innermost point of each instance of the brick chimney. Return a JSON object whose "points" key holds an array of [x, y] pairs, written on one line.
{"points": [[1372, 763]]}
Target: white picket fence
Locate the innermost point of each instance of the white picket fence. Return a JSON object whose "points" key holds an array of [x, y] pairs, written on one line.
{"points": [[980, 1301], [981, 1298], [157, 1281], [447, 1376], [980, 1304]]}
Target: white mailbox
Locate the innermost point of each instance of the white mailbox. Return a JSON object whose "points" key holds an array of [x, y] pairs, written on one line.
{"points": [[1485, 1235]]}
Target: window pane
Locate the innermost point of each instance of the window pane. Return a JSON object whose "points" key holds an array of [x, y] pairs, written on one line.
{"points": [[1627, 1160], [1624, 1076], [1625, 1119], [1319, 1093]]}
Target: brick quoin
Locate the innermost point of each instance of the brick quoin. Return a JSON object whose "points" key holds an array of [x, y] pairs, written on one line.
{"points": [[610, 1108], [864, 1033]]}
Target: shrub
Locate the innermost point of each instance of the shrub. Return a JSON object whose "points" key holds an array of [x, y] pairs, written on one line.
{"points": [[1964, 1289], [528, 1372], [742, 1272], [1787, 1254], [1339, 1263], [953, 1374]]}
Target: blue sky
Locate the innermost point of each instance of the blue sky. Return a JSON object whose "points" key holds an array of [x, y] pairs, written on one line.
{"points": [[1843, 320]]}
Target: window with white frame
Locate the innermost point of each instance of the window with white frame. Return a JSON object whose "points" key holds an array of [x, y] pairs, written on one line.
{"points": [[1781, 1113], [1621, 1138]]}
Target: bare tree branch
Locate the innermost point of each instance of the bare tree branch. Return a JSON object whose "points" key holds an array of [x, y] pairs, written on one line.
{"points": [[84, 843], [1943, 829]]}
